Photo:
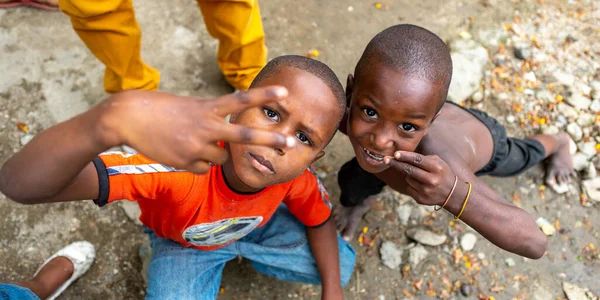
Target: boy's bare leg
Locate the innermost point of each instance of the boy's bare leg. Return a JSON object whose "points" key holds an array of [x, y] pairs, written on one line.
{"points": [[52, 276], [347, 218], [560, 164]]}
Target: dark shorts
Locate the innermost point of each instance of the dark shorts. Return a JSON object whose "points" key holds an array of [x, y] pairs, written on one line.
{"points": [[511, 157]]}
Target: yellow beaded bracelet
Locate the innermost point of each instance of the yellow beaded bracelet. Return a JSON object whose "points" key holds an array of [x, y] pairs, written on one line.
{"points": [[466, 200]]}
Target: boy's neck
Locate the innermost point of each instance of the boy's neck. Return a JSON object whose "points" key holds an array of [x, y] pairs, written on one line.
{"points": [[232, 180]]}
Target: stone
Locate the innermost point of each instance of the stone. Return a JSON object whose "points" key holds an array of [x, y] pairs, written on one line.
{"points": [[560, 188], [542, 294], [467, 241], [481, 255], [575, 131], [466, 290], [510, 119], [416, 255], [585, 120], [404, 212], [522, 53], [391, 256], [426, 237], [510, 262], [530, 76], [546, 227], [492, 38], [566, 110], [572, 147], [580, 161], [132, 210], [545, 95], [595, 106], [561, 121], [583, 88], [574, 292], [26, 139], [579, 101], [592, 188], [551, 130], [587, 148], [563, 77], [590, 172], [595, 85], [469, 59], [477, 97], [500, 59]]}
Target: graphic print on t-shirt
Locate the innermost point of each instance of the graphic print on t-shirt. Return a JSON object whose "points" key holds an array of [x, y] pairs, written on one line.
{"points": [[220, 232]]}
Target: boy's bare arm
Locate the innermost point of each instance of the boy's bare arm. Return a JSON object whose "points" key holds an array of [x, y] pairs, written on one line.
{"points": [[324, 247], [429, 180], [178, 131]]}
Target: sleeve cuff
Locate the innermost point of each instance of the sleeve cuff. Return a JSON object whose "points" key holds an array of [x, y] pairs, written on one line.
{"points": [[323, 223], [102, 182]]}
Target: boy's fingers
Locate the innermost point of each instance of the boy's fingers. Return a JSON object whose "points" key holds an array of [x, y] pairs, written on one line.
{"points": [[213, 153], [241, 100], [246, 135], [408, 169], [415, 159], [198, 167]]}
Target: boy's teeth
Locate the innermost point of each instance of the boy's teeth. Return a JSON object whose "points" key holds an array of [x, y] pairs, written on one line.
{"points": [[373, 155]]}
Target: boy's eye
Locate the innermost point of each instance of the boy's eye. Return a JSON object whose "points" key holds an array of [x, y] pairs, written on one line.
{"points": [[303, 138], [271, 114], [372, 114], [408, 127]]}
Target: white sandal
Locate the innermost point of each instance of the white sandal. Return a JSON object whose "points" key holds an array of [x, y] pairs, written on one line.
{"points": [[81, 254]]}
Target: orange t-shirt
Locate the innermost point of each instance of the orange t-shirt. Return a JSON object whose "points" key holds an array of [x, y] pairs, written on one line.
{"points": [[201, 211]]}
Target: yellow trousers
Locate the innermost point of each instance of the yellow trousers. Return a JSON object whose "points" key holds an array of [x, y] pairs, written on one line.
{"points": [[111, 32]]}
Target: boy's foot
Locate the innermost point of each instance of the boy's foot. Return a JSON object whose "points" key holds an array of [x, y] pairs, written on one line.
{"points": [[348, 218], [559, 168], [61, 269]]}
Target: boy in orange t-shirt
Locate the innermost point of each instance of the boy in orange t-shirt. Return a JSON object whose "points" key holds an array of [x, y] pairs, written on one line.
{"points": [[249, 168]]}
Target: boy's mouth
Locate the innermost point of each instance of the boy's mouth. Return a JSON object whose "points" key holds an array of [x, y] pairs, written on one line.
{"points": [[372, 155], [261, 164]]}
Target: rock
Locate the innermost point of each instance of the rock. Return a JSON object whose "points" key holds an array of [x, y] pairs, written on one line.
{"points": [[468, 59], [510, 119], [566, 110], [590, 172], [481, 255], [500, 59], [545, 95], [467, 241], [510, 262], [595, 85], [492, 38], [26, 139], [583, 88], [550, 130], [542, 294], [579, 101], [522, 53], [585, 120], [546, 227], [560, 188], [575, 131], [592, 188], [564, 77], [572, 147], [574, 292], [530, 76], [587, 148], [561, 120], [426, 237], [404, 211], [132, 210], [391, 256], [580, 161], [477, 97], [595, 106], [416, 255], [466, 290]]}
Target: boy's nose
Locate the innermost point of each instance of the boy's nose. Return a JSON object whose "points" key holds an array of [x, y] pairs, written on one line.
{"points": [[382, 141]]}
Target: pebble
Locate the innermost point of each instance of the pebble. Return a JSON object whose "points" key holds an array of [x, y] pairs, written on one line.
{"points": [[546, 227], [574, 292], [522, 53], [592, 188], [26, 139], [586, 120], [595, 90], [467, 241], [481, 255], [590, 172], [567, 111], [416, 255], [391, 256], [477, 97], [579, 101], [572, 147], [510, 262], [545, 96], [563, 77], [466, 290], [580, 161], [595, 106], [510, 119], [132, 210], [560, 188], [587, 148], [575, 131], [469, 59], [426, 237], [551, 130], [404, 212]]}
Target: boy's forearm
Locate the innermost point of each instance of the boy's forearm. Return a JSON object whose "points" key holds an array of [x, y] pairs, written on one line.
{"points": [[324, 246], [506, 226], [51, 161]]}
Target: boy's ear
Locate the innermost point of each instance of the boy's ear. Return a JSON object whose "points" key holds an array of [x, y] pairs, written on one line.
{"points": [[349, 89], [321, 154]]}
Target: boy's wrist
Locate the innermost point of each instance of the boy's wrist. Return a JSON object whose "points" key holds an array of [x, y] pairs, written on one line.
{"points": [[458, 197], [332, 291]]}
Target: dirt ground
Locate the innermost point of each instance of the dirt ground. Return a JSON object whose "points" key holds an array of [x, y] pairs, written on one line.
{"points": [[48, 76]]}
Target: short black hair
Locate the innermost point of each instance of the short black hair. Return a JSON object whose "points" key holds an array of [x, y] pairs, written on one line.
{"points": [[315, 67], [413, 50]]}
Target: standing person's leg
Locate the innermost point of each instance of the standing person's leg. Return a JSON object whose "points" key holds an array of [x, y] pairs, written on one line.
{"points": [[181, 273], [109, 29], [280, 249], [238, 27]]}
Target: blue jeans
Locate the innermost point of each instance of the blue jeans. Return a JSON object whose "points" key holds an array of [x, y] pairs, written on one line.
{"points": [[15, 292], [279, 249]]}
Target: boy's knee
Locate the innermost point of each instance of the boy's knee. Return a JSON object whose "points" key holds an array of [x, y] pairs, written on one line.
{"points": [[88, 9]]}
